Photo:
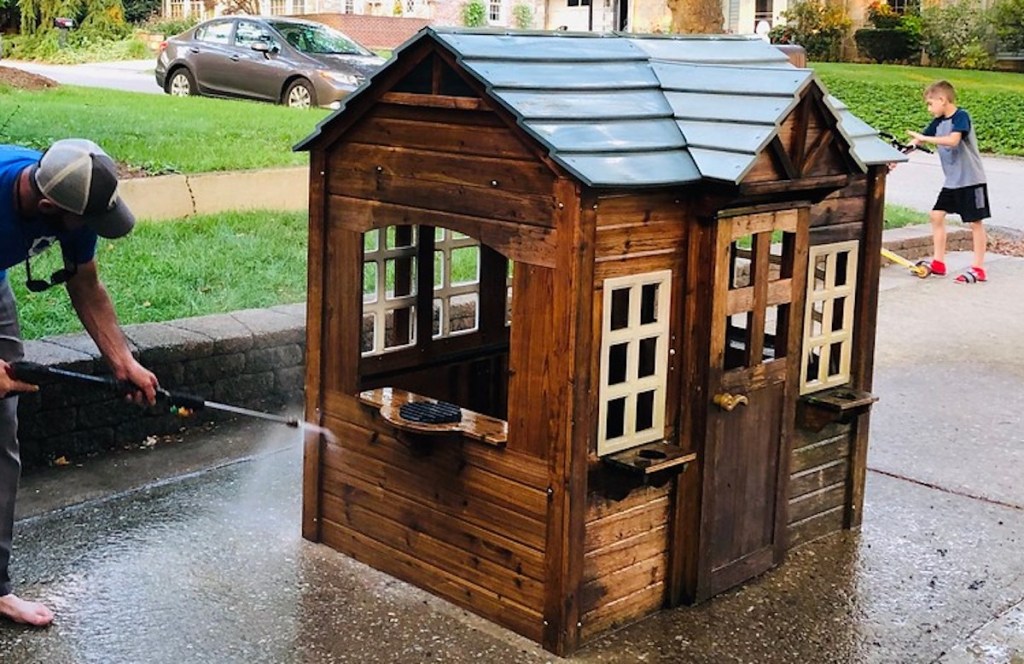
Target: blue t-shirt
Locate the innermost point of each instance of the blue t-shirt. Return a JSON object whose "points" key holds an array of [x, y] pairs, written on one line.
{"points": [[19, 237], [962, 163]]}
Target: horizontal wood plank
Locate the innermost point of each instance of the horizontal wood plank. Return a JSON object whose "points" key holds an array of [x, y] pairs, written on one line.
{"points": [[443, 136], [625, 553], [817, 502], [523, 620], [599, 507], [629, 523], [838, 211], [632, 209], [352, 163], [622, 583], [820, 453], [462, 117], [451, 498], [522, 243], [643, 239], [361, 517], [434, 101], [622, 612], [816, 479], [836, 233], [815, 526], [439, 524]]}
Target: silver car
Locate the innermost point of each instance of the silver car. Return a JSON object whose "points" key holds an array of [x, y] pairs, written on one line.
{"points": [[282, 60]]}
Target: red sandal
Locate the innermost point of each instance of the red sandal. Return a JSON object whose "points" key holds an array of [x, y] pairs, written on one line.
{"points": [[971, 275]]}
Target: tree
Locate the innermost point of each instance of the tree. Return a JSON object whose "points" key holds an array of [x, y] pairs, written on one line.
{"points": [[696, 16]]}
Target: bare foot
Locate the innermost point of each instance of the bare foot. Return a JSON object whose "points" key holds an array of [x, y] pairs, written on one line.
{"points": [[23, 611]]}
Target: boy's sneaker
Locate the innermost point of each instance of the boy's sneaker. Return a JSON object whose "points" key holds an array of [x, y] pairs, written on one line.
{"points": [[935, 268], [971, 275]]}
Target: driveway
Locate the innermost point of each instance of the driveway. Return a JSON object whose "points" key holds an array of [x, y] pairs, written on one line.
{"points": [[130, 75]]}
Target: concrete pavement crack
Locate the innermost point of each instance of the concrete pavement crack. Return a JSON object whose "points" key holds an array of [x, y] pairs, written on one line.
{"points": [[970, 635], [943, 489]]}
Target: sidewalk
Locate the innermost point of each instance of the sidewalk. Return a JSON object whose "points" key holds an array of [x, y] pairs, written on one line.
{"points": [[191, 552]]}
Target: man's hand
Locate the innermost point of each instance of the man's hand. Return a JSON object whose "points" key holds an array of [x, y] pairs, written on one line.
{"points": [[9, 384], [142, 378]]}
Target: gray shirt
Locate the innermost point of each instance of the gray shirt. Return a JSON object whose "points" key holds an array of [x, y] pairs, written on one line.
{"points": [[962, 163]]}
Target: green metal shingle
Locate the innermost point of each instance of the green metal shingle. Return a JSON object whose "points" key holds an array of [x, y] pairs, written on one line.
{"points": [[621, 110]]}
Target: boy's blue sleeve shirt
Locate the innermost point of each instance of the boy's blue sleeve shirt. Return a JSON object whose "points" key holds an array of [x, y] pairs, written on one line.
{"points": [[932, 127], [961, 122]]}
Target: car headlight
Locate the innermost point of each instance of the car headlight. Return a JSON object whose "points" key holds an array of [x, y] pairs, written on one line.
{"points": [[341, 78]]}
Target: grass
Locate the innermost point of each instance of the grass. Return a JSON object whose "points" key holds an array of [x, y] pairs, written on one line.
{"points": [[160, 134], [169, 270], [889, 97]]}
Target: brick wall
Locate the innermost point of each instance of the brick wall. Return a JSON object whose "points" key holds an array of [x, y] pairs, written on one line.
{"points": [[380, 32], [253, 358]]}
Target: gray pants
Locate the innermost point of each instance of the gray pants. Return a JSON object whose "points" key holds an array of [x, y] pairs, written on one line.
{"points": [[10, 461]]}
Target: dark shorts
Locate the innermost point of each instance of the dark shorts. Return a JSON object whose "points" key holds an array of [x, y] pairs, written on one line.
{"points": [[971, 203]]}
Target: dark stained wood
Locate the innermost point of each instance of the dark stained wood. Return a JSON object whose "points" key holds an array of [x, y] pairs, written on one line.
{"points": [[817, 502], [612, 524], [316, 257], [389, 402], [774, 187], [433, 135], [624, 611], [609, 586], [342, 314], [815, 526], [839, 210], [361, 165], [522, 243], [820, 453], [625, 553], [524, 620], [471, 120], [571, 312], [862, 362], [782, 159], [435, 101], [816, 479], [836, 233]]}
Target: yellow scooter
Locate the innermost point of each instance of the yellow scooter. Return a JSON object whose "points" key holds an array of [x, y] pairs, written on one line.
{"points": [[917, 269]]}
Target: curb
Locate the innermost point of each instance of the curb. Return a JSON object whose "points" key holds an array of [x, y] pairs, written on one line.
{"points": [[915, 242], [165, 197]]}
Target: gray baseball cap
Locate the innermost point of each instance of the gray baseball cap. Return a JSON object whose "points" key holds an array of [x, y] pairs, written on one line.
{"points": [[78, 176]]}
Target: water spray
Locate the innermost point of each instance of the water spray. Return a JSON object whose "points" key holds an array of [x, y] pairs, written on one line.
{"points": [[182, 404]]}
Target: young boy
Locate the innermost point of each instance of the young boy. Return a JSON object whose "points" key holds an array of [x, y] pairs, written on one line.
{"points": [[964, 191]]}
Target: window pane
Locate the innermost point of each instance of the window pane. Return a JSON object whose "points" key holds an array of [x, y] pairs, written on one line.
{"points": [[367, 334], [401, 276], [400, 236], [371, 241], [462, 312], [369, 282], [737, 341], [820, 265], [438, 269], [435, 328], [648, 355], [838, 313], [649, 304], [465, 265], [620, 309], [616, 418], [842, 263], [617, 355], [398, 327], [645, 410], [739, 267], [835, 358]]}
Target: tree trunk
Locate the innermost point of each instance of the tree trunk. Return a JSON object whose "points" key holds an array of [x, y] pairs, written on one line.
{"points": [[696, 16]]}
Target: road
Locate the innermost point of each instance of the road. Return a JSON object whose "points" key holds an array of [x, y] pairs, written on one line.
{"points": [[130, 75]]}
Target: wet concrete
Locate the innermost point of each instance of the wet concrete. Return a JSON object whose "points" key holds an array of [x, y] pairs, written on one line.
{"points": [[193, 554]]}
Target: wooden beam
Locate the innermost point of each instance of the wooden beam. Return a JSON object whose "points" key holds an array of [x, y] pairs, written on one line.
{"points": [[782, 159]]}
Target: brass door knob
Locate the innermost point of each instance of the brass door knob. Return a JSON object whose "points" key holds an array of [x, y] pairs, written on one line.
{"points": [[727, 401]]}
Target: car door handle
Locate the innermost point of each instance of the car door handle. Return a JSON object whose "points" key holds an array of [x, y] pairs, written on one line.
{"points": [[235, 58], [194, 49]]}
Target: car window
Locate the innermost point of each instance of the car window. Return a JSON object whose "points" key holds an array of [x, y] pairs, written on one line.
{"points": [[317, 39], [248, 33], [214, 33]]}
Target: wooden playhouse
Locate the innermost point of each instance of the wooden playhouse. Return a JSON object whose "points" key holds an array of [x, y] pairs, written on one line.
{"points": [[644, 269]]}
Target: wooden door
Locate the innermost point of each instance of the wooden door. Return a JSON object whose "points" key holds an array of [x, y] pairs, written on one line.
{"points": [[758, 291]]}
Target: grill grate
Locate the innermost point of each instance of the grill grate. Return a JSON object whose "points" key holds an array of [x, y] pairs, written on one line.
{"points": [[427, 412]]}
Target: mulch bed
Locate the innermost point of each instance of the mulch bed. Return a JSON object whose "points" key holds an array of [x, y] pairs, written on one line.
{"points": [[24, 80]]}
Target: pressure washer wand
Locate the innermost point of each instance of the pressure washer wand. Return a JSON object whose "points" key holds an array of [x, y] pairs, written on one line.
{"points": [[182, 402]]}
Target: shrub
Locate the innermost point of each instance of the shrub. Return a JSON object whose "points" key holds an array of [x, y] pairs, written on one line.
{"points": [[168, 27], [820, 28], [886, 44], [956, 35], [522, 16], [1007, 18], [474, 14], [137, 12], [882, 16]]}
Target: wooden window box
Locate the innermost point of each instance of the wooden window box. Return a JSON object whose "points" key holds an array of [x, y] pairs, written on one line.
{"points": [[651, 458], [476, 426], [839, 404]]}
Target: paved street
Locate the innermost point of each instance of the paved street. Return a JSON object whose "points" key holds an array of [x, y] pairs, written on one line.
{"points": [[131, 75], [191, 552]]}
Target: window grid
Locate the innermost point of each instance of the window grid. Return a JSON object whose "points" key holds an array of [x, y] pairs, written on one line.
{"points": [[177, 9], [446, 242], [821, 336], [277, 7], [494, 11], [631, 387], [376, 308]]}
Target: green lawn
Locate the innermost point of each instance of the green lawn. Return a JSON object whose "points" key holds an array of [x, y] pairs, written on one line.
{"points": [[159, 133], [889, 97]]}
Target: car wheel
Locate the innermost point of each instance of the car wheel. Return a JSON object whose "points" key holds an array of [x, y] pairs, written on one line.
{"points": [[181, 83], [300, 94]]}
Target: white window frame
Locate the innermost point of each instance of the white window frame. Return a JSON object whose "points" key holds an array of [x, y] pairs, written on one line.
{"points": [[491, 6], [825, 294], [444, 291], [633, 386], [380, 303]]}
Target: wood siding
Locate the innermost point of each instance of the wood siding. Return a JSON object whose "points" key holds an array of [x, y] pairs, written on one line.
{"points": [[625, 558], [463, 520], [818, 482]]}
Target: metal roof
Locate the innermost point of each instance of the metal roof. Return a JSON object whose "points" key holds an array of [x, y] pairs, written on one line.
{"points": [[623, 110]]}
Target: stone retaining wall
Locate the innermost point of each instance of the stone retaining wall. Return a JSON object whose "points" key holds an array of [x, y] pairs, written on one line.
{"points": [[253, 358]]}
